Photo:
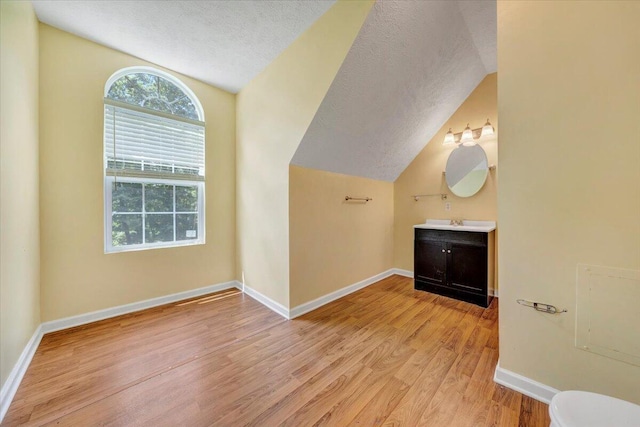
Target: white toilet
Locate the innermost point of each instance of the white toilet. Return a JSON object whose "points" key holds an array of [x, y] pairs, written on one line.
{"points": [[584, 409]]}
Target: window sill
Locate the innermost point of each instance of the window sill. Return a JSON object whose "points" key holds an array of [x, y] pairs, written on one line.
{"points": [[163, 245]]}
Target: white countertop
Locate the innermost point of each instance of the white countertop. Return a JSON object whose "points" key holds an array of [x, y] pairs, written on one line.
{"points": [[445, 224]]}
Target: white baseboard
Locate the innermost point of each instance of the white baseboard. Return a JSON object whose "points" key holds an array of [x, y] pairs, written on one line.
{"points": [[319, 302], [12, 383], [524, 385], [401, 272], [264, 300], [94, 316]]}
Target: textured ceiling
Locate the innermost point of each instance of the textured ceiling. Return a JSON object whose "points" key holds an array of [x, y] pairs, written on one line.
{"points": [[481, 20], [223, 43], [411, 66]]}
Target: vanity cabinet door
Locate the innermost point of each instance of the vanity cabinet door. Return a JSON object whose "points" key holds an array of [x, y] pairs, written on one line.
{"points": [[456, 264], [467, 267], [430, 262]]}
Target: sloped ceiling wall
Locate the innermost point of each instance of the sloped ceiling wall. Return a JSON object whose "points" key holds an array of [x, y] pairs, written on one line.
{"points": [[411, 66]]}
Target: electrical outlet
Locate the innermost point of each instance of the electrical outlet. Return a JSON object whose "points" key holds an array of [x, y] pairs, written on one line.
{"points": [[447, 206]]}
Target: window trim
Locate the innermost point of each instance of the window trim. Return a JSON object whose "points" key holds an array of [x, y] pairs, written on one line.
{"points": [[110, 176], [108, 202]]}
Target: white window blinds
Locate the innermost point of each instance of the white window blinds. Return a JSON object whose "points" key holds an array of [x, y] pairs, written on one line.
{"points": [[139, 142]]}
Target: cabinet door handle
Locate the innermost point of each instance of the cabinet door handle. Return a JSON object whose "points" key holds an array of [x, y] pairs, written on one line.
{"points": [[449, 251], [443, 251]]}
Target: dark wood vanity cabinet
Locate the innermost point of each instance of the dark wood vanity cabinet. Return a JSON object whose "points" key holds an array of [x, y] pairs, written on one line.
{"points": [[457, 264]]}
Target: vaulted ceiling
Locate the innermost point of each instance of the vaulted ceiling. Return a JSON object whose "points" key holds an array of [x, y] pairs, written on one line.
{"points": [[223, 43], [411, 66]]}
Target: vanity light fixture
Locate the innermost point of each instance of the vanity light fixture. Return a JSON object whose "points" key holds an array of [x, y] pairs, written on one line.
{"points": [[469, 137]]}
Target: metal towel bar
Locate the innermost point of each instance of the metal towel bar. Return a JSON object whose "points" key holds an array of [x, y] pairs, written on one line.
{"points": [[418, 196]]}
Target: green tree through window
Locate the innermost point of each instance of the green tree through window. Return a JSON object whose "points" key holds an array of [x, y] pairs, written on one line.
{"points": [[153, 92]]}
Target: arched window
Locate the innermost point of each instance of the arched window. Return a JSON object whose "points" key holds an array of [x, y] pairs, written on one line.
{"points": [[153, 162]]}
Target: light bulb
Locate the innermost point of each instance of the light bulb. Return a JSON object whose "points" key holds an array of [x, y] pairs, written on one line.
{"points": [[467, 137], [487, 130], [449, 138]]}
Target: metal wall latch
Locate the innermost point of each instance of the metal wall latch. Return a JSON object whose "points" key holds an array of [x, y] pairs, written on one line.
{"points": [[545, 308]]}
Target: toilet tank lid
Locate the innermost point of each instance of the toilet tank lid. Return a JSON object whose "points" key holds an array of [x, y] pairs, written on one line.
{"points": [[585, 409]]}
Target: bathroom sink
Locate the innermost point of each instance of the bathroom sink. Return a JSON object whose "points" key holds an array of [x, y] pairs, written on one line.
{"points": [[467, 225]]}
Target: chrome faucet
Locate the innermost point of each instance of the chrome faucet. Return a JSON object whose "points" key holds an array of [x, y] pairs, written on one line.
{"points": [[455, 222]]}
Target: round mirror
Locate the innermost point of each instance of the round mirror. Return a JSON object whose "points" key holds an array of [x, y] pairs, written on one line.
{"points": [[467, 170]]}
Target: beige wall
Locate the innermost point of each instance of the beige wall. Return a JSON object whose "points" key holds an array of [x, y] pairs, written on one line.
{"points": [[77, 276], [569, 103], [424, 176], [19, 217], [273, 112], [335, 243]]}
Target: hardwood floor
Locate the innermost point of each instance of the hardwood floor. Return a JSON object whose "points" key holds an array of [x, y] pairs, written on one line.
{"points": [[385, 355]]}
